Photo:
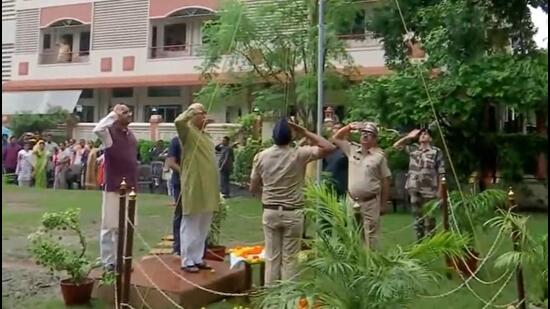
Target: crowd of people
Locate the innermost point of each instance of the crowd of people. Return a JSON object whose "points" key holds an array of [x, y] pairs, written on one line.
{"points": [[360, 176], [34, 159]]}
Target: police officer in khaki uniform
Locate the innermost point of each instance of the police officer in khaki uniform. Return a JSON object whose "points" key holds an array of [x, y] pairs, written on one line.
{"points": [[368, 177], [426, 167], [278, 173]]}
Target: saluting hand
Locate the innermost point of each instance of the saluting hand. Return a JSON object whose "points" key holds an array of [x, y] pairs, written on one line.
{"points": [[298, 129], [413, 134]]}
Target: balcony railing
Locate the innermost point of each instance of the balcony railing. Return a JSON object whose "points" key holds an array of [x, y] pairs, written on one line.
{"points": [[57, 57], [359, 40], [175, 51]]}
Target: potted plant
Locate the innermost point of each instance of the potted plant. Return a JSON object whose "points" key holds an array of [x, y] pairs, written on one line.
{"points": [[47, 248], [215, 251], [469, 211]]}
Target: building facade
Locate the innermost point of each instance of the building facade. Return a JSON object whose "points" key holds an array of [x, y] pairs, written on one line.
{"points": [[8, 37], [140, 52]]}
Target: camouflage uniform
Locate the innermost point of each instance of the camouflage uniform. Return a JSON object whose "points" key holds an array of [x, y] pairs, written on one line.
{"points": [[425, 167]]}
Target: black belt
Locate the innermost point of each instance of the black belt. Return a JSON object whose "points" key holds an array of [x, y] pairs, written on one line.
{"points": [[279, 207]]}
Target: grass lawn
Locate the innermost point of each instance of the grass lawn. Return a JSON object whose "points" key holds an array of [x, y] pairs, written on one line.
{"points": [[22, 210]]}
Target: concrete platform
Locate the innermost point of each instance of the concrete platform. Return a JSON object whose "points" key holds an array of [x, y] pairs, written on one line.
{"points": [[184, 294]]}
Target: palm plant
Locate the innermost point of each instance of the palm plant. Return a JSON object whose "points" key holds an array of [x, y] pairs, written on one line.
{"points": [[469, 211], [532, 251], [339, 272]]}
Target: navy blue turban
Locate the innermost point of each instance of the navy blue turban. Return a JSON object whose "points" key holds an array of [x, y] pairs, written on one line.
{"points": [[282, 134]]}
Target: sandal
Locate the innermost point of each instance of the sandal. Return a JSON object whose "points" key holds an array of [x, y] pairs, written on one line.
{"points": [[190, 269], [203, 266]]}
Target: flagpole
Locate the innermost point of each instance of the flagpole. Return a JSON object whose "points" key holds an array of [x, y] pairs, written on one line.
{"points": [[320, 71]]}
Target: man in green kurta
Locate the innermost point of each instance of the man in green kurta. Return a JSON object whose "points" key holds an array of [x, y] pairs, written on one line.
{"points": [[200, 193]]}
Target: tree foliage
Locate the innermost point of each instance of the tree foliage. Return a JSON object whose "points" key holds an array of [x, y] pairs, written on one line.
{"points": [[27, 122], [274, 44], [480, 55]]}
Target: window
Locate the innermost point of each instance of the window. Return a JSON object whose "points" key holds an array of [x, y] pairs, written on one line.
{"points": [[354, 27], [87, 113], [84, 47], [123, 92], [87, 94], [175, 36], [155, 92], [232, 113], [168, 112], [47, 41]]}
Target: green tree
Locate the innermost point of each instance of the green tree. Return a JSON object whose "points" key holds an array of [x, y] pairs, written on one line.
{"points": [[477, 71], [273, 45], [27, 122]]}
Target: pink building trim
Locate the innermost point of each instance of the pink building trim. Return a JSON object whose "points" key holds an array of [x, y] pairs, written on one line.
{"points": [[128, 63], [80, 12], [106, 64], [163, 8], [23, 68]]}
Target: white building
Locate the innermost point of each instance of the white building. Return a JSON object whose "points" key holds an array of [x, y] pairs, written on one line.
{"points": [[104, 52]]}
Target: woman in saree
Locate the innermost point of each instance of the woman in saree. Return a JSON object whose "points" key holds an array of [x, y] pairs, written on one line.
{"points": [[41, 162], [90, 175]]}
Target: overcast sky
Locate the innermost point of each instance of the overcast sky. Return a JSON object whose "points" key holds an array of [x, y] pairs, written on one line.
{"points": [[540, 19]]}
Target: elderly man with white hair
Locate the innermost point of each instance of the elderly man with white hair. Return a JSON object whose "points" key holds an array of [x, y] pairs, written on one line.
{"points": [[200, 194]]}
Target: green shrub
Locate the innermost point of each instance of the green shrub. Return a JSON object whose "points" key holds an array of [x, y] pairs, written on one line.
{"points": [[213, 238], [26, 122], [143, 149], [244, 157], [397, 160], [49, 251]]}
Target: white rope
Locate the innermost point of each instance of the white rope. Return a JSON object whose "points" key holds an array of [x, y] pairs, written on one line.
{"points": [[142, 298], [179, 275], [138, 266]]}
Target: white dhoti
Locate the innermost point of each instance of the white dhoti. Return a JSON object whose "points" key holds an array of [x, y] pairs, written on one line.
{"points": [[109, 227], [193, 232]]}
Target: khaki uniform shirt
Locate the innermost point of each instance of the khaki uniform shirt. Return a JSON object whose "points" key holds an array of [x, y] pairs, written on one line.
{"points": [[281, 170], [366, 170], [425, 167]]}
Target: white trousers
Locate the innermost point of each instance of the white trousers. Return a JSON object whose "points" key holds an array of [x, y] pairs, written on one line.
{"points": [[193, 232], [109, 227]]}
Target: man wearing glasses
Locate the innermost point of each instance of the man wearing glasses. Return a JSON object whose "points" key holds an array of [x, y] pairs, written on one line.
{"points": [[200, 193], [368, 177]]}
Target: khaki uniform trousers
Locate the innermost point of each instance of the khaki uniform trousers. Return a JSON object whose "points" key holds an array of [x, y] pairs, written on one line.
{"points": [[283, 239], [368, 218]]}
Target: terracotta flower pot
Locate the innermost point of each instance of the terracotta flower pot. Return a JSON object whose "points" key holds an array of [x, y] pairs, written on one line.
{"points": [[77, 293], [215, 253], [465, 265]]}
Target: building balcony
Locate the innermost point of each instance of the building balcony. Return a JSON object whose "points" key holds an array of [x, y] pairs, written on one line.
{"points": [[361, 40], [63, 58], [175, 51]]}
